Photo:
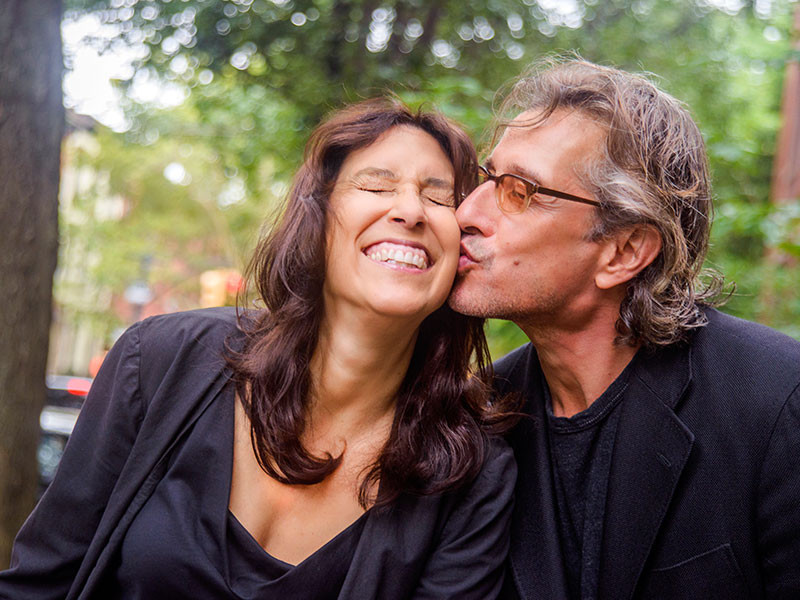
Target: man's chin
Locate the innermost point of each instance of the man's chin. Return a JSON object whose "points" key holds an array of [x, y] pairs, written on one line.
{"points": [[462, 298]]}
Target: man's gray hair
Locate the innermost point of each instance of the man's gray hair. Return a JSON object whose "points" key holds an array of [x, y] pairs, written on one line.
{"points": [[652, 170]]}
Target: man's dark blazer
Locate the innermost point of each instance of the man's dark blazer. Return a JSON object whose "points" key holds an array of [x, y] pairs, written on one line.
{"points": [[704, 492]]}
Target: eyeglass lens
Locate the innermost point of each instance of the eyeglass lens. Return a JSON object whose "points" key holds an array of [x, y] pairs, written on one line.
{"points": [[513, 194]]}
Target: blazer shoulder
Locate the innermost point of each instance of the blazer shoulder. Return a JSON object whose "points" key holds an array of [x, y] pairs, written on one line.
{"points": [[499, 464], [175, 332], [752, 349], [188, 346], [745, 369]]}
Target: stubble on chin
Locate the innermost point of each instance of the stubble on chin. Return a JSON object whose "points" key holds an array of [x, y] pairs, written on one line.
{"points": [[469, 298], [485, 300]]}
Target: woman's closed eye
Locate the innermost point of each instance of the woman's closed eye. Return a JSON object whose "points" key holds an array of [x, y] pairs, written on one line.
{"points": [[376, 189], [375, 184], [440, 197]]}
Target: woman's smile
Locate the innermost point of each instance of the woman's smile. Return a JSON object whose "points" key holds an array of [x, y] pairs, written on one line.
{"points": [[402, 255]]}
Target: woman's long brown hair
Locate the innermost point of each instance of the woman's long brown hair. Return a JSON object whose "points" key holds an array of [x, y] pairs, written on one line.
{"points": [[438, 437]]}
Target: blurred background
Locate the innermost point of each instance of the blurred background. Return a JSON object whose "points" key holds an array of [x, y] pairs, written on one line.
{"points": [[185, 120]]}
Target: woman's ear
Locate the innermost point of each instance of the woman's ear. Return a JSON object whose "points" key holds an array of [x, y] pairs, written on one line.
{"points": [[627, 253]]}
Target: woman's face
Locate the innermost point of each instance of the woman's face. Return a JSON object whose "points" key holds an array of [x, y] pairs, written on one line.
{"points": [[393, 240]]}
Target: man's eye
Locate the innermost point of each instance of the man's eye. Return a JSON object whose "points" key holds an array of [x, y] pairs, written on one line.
{"points": [[519, 191], [375, 190]]}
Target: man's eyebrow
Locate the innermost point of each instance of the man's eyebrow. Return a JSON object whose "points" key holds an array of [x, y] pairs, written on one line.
{"points": [[376, 172], [518, 169], [515, 169]]}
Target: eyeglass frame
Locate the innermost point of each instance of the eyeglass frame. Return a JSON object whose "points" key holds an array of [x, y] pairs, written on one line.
{"points": [[532, 188]]}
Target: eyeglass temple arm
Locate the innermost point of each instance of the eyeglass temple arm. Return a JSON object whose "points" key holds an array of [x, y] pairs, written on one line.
{"points": [[564, 195]]}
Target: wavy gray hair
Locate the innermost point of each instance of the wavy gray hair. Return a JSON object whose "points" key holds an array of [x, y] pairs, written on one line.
{"points": [[653, 169]]}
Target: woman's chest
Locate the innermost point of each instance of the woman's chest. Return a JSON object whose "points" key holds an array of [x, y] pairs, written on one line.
{"points": [[292, 521]]}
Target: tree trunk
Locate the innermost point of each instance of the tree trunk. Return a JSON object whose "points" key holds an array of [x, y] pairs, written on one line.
{"points": [[31, 127], [785, 186]]}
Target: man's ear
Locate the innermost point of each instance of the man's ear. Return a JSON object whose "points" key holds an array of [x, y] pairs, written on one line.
{"points": [[626, 254]]}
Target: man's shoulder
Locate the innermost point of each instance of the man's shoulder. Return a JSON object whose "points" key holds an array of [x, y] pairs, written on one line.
{"points": [[744, 370], [512, 371], [515, 361], [747, 345]]}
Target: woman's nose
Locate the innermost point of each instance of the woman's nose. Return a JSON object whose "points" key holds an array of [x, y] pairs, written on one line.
{"points": [[408, 208]]}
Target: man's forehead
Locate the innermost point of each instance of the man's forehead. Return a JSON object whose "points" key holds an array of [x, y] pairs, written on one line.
{"points": [[533, 116], [561, 118], [565, 130]]}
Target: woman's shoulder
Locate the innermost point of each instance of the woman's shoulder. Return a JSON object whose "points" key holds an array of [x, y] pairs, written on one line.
{"points": [[499, 467], [176, 329], [494, 482], [181, 346], [167, 336], [466, 532]]}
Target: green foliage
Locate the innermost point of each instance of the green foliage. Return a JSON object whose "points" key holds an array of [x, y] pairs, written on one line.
{"points": [[261, 73], [503, 337]]}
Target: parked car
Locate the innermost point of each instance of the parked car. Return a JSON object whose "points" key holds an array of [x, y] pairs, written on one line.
{"points": [[65, 396]]}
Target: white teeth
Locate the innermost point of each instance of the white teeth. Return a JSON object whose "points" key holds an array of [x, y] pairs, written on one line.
{"points": [[385, 252]]}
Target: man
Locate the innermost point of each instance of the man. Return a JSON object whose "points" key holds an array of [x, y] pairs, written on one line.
{"points": [[660, 455]]}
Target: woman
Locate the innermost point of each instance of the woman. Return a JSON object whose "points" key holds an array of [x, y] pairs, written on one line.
{"points": [[348, 458]]}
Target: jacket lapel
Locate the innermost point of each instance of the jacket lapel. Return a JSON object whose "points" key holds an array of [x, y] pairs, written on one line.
{"points": [[650, 451], [535, 554]]}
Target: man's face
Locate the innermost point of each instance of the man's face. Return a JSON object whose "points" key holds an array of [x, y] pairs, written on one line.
{"points": [[536, 267]]}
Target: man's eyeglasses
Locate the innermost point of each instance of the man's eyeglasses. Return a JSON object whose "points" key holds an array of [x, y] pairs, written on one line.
{"points": [[514, 194]]}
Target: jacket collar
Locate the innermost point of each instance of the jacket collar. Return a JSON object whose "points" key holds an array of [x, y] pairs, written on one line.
{"points": [[651, 449]]}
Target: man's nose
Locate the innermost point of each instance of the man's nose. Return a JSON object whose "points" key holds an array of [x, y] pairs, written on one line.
{"points": [[476, 214]]}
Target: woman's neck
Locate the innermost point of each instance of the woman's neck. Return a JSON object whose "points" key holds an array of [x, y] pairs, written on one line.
{"points": [[357, 368]]}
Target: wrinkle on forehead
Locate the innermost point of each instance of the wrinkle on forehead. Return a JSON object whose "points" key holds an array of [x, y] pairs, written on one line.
{"points": [[533, 118], [575, 121], [585, 136]]}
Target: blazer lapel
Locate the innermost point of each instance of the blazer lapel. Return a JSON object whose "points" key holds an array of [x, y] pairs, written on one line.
{"points": [[650, 451], [535, 555]]}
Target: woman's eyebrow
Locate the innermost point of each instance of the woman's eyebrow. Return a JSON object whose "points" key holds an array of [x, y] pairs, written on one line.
{"points": [[376, 172], [437, 182]]}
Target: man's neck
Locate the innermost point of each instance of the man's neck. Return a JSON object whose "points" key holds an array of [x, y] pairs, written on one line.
{"points": [[579, 365]]}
